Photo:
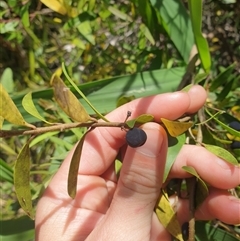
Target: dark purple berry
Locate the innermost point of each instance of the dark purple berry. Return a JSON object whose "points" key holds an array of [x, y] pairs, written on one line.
{"points": [[185, 231], [235, 125], [136, 137], [235, 145]]}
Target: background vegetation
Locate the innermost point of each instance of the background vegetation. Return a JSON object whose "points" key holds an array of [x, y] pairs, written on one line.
{"points": [[115, 51]]}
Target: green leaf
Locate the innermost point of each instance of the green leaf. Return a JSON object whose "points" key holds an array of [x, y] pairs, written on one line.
{"points": [[29, 106], [222, 153], [209, 232], [178, 25], [148, 16], [120, 14], [6, 172], [226, 127], [43, 137], [74, 167], [174, 146], [103, 94], [85, 30], [195, 7], [201, 189], [147, 33], [168, 217], [222, 78], [200, 77], [7, 80], [226, 90], [124, 99], [144, 118], [22, 180], [16, 229], [25, 15]]}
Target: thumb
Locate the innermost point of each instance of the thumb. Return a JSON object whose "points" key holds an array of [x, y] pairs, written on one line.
{"points": [[130, 215], [142, 171]]}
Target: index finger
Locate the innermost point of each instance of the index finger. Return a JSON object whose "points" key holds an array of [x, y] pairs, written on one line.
{"points": [[101, 146]]}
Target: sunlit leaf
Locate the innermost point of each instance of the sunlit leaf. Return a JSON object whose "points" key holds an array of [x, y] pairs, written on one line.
{"points": [[195, 9], [7, 80], [68, 101], [147, 33], [74, 167], [120, 14], [176, 128], [168, 217], [222, 153], [187, 88], [9, 111], [200, 77], [140, 120], [85, 29], [125, 99], [29, 106], [176, 21], [174, 146], [22, 180], [201, 189], [56, 5]]}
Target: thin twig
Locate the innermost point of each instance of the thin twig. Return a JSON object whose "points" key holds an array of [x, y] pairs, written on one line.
{"points": [[59, 127]]}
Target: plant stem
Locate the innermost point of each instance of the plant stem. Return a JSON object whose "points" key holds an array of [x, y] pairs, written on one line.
{"points": [[60, 127]]}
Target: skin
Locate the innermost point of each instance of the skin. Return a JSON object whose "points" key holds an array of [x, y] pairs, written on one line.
{"points": [[109, 209]]}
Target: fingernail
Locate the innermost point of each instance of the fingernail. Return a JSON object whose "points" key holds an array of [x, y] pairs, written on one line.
{"points": [[152, 146]]}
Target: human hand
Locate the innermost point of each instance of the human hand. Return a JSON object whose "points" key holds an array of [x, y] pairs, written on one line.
{"points": [[107, 208]]}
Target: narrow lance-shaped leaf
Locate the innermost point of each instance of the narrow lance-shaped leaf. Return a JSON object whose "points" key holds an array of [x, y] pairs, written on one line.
{"points": [[174, 146], [140, 120], [222, 153], [29, 106], [226, 127], [9, 111], [168, 217], [56, 5], [68, 101], [22, 180], [195, 8], [74, 167], [176, 128], [201, 190]]}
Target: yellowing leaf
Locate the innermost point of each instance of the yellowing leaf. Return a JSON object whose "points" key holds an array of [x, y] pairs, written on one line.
{"points": [[56, 5], [68, 101], [201, 189], [22, 180], [168, 217], [74, 166], [29, 106], [1, 122], [176, 128], [222, 153], [9, 111]]}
